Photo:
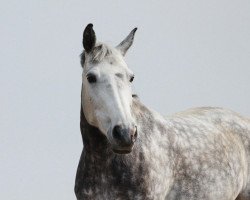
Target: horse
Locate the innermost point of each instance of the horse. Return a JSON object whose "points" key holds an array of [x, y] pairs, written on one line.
{"points": [[132, 152]]}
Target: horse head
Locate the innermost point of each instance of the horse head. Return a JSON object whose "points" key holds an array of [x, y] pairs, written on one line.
{"points": [[106, 90]]}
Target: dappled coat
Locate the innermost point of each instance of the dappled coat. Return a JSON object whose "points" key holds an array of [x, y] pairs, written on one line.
{"points": [[132, 153]]}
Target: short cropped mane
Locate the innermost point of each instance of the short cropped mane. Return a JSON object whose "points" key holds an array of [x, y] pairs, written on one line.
{"points": [[98, 54]]}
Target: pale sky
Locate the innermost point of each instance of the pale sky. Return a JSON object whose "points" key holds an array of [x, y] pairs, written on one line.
{"points": [[185, 54]]}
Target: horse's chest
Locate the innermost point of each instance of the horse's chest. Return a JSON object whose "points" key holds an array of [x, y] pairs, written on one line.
{"points": [[115, 185], [109, 186]]}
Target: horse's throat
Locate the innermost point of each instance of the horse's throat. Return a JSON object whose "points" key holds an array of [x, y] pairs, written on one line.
{"points": [[93, 140]]}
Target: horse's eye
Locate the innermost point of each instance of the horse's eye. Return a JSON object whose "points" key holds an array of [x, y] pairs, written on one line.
{"points": [[91, 78], [131, 79]]}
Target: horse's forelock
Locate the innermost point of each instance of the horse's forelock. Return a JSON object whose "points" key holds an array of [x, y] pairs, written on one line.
{"points": [[100, 52]]}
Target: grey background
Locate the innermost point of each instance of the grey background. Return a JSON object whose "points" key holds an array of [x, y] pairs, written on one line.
{"points": [[185, 54]]}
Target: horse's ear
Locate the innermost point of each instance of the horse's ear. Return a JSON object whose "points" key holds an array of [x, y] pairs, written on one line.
{"points": [[89, 38], [127, 42]]}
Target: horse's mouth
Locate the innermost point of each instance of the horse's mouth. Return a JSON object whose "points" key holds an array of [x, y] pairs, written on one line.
{"points": [[122, 151]]}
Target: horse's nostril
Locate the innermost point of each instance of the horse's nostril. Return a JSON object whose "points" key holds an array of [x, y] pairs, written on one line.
{"points": [[117, 132], [134, 135], [135, 132]]}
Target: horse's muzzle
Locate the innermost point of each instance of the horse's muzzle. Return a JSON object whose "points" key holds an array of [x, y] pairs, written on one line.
{"points": [[124, 138]]}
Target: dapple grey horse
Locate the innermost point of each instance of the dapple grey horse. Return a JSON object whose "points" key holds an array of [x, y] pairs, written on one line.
{"points": [[132, 152]]}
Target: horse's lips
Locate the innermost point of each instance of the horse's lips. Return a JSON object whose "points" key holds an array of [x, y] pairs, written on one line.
{"points": [[123, 151]]}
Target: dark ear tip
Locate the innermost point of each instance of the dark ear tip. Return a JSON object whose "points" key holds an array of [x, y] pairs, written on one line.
{"points": [[134, 30], [90, 25]]}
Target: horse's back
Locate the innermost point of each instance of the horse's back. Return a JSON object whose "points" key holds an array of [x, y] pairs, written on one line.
{"points": [[225, 120], [215, 142]]}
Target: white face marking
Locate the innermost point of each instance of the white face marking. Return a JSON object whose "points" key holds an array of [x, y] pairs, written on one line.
{"points": [[107, 102]]}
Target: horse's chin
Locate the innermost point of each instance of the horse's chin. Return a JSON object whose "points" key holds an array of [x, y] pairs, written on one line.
{"points": [[122, 151]]}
